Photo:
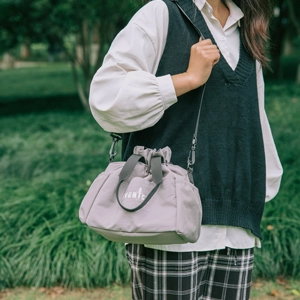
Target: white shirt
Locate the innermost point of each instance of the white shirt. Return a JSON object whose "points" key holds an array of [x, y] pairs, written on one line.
{"points": [[126, 96]]}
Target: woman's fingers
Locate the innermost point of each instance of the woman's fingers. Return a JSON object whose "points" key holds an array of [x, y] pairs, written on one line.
{"points": [[204, 55]]}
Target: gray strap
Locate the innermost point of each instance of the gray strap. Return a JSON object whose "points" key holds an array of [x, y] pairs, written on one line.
{"points": [[156, 176], [192, 155], [156, 169], [129, 166], [187, 16]]}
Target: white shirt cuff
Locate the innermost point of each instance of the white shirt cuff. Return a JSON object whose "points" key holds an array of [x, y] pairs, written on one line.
{"points": [[167, 91]]}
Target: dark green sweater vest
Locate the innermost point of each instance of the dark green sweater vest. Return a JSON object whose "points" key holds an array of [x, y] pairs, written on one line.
{"points": [[230, 162]]}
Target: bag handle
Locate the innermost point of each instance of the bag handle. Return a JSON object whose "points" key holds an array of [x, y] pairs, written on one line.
{"points": [[127, 171]]}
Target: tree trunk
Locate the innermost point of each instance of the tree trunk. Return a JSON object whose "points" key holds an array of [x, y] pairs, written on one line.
{"points": [[296, 23], [8, 61], [81, 93], [277, 33], [25, 50]]}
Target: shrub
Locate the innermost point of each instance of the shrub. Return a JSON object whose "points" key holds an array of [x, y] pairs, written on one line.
{"points": [[47, 162]]}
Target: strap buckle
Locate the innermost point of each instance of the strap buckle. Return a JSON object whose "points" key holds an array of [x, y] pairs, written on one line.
{"points": [[114, 146], [192, 155]]}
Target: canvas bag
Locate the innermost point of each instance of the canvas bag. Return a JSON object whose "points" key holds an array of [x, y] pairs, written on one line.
{"points": [[150, 201]]}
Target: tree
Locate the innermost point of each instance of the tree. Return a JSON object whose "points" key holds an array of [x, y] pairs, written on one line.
{"points": [[97, 23], [67, 24], [294, 19], [8, 26], [284, 26]]}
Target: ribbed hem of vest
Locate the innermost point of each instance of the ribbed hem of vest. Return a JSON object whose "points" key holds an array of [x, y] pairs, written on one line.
{"points": [[220, 212]]}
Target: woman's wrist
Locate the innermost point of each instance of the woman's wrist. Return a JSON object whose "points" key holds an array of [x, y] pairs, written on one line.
{"points": [[184, 83]]}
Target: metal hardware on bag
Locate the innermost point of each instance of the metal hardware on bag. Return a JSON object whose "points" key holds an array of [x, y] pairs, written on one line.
{"points": [[114, 146], [192, 154], [148, 169]]}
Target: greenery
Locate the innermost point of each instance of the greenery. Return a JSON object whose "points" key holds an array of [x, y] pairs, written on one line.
{"points": [[281, 221], [113, 293], [47, 162], [82, 30], [40, 87], [40, 81]]}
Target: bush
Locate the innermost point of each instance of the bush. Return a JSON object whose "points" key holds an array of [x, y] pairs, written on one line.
{"points": [[281, 221], [47, 162]]}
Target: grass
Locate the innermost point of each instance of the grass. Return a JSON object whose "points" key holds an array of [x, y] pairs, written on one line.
{"points": [[44, 80], [47, 162], [42, 87], [114, 293], [280, 289], [281, 220], [261, 290]]}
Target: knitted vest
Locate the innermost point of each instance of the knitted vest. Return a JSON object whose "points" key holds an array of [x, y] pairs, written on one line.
{"points": [[230, 162]]}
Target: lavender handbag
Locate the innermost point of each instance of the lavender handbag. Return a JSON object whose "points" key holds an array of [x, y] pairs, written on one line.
{"points": [[149, 201]]}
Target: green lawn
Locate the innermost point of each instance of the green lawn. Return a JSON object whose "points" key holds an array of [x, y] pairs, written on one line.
{"points": [[46, 80], [44, 87], [47, 162]]}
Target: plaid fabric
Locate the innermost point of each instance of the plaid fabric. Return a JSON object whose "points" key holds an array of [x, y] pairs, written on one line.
{"points": [[212, 275]]}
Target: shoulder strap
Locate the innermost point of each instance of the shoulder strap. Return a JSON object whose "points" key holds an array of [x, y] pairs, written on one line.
{"points": [[188, 9]]}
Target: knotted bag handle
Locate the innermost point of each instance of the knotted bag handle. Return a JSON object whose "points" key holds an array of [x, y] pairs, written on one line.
{"points": [[127, 170]]}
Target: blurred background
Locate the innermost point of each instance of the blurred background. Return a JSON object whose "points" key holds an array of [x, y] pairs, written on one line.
{"points": [[51, 149]]}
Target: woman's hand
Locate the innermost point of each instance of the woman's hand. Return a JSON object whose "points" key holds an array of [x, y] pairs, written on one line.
{"points": [[204, 55]]}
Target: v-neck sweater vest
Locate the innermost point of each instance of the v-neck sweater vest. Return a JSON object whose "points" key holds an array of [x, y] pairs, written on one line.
{"points": [[230, 170]]}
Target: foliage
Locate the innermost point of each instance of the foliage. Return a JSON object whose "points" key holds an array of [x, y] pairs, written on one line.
{"points": [[65, 25], [98, 21], [281, 221], [47, 162], [284, 26]]}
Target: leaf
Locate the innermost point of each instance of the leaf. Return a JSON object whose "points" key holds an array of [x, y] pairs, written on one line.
{"points": [[274, 293], [295, 292], [257, 284], [280, 280]]}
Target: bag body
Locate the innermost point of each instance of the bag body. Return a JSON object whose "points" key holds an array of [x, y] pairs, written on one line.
{"points": [[149, 202]]}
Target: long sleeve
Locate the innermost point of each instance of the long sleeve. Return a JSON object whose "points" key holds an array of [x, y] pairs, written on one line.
{"points": [[273, 166], [125, 94]]}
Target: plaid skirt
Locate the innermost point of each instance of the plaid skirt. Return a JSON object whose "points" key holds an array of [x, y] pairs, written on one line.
{"points": [[211, 275]]}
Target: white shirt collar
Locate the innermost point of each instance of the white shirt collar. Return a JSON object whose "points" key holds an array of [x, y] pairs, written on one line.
{"points": [[235, 12]]}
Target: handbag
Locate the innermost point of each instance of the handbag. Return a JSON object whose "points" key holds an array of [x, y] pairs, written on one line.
{"points": [[146, 199]]}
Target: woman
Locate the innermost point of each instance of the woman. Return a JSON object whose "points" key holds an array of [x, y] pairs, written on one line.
{"points": [[149, 87]]}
